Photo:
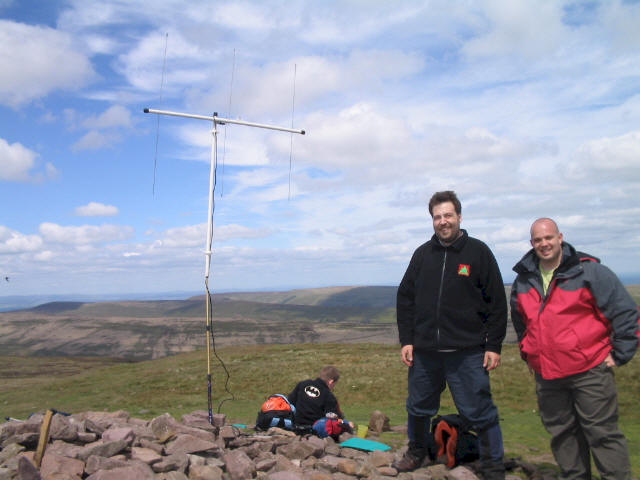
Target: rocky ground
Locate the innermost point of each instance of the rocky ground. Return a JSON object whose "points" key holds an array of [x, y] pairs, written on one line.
{"points": [[116, 446]]}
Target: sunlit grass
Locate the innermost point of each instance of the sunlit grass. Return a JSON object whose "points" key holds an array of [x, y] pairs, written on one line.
{"points": [[373, 378]]}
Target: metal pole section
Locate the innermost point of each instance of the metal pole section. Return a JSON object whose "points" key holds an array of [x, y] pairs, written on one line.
{"points": [[212, 181], [222, 120], [208, 247]]}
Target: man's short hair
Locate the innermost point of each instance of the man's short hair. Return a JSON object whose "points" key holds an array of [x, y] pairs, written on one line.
{"points": [[442, 197], [329, 373]]}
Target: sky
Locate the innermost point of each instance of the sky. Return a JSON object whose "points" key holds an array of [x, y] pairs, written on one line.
{"points": [[525, 109]]}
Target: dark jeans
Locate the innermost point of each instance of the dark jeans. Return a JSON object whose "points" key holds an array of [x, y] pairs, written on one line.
{"points": [[469, 384], [581, 414]]}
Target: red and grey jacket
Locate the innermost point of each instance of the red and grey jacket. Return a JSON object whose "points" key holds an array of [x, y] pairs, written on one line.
{"points": [[586, 314]]}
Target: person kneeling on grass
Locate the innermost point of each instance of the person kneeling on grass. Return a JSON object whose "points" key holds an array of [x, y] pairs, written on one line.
{"points": [[317, 408]]}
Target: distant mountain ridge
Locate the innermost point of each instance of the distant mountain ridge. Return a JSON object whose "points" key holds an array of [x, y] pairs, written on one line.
{"points": [[374, 297], [156, 328]]}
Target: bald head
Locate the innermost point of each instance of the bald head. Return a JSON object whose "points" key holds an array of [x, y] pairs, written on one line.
{"points": [[547, 222], [546, 240]]}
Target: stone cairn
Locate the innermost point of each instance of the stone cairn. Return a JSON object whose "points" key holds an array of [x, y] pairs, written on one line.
{"points": [[115, 446]]}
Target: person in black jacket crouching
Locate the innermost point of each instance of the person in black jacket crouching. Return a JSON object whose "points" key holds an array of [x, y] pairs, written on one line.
{"points": [[314, 401]]}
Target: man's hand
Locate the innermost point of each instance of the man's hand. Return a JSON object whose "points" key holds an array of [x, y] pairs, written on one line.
{"points": [[491, 360], [407, 355], [609, 361]]}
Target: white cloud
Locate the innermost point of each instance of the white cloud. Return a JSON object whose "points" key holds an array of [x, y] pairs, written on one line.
{"points": [[528, 30], [188, 236], [608, 159], [16, 161], [195, 235], [114, 116], [245, 15], [96, 209], [84, 235], [12, 242], [36, 61], [142, 65], [94, 140]]}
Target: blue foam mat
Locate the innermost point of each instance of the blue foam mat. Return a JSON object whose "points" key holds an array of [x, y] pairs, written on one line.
{"points": [[364, 444]]}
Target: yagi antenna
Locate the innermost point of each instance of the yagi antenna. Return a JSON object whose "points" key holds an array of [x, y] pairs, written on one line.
{"points": [[216, 120]]}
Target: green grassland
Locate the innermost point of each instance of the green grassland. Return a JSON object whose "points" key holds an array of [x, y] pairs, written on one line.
{"points": [[373, 378]]}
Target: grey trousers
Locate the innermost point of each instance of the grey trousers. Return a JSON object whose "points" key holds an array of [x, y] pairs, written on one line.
{"points": [[581, 414]]}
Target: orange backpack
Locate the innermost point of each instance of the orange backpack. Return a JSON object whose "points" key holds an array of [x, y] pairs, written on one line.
{"points": [[276, 411]]}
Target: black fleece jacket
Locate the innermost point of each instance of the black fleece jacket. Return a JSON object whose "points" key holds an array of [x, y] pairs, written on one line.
{"points": [[452, 297]]}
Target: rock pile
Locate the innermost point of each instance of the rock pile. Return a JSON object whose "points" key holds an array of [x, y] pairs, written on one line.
{"points": [[115, 446]]}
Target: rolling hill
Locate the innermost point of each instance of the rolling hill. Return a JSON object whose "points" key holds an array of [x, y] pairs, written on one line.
{"points": [[140, 330]]}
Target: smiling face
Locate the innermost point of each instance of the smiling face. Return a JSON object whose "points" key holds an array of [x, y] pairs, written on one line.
{"points": [[546, 240], [446, 222]]}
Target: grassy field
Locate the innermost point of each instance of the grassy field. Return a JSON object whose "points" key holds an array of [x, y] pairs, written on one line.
{"points": [[373, 378]]}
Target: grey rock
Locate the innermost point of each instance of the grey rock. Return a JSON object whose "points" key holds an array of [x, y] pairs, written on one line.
{"points": [[146, 443], [145, 455], [107, 449], [11, 451], [10, 429], [177, 462], [114, 434], [86, 437], [239, 465], [55, 464], [205, 472], [27, 470], [28, 440], [62, 429], [381, 459], [185, 443], [348, 466], [297, 450], [285, 476], [164, 427], [461, 473], [353, 453], [95, 463], [134, 471], [378, 422], [171, 476]]}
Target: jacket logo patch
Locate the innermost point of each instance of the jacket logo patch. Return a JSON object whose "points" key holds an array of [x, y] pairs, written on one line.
{"points": [[312, 391], [464, 269]]}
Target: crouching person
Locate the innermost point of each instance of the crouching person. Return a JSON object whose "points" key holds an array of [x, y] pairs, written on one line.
{"points": [[317, 408]]}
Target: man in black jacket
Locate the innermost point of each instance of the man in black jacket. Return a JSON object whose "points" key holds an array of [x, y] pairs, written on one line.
{"points": [[452, 317], [314, 398]]}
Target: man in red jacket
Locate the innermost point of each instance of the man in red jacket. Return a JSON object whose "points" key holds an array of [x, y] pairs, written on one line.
{"points": [[575, 322]]}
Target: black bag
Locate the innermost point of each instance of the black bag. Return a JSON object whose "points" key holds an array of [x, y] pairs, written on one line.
{"points": [[454, 442], [276, 411]]}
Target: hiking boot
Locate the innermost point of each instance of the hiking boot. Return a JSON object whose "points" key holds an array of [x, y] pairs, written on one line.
{"points": [[409, 461], [492, 471]]}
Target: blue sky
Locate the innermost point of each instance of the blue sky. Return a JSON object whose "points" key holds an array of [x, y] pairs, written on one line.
{"points": [[525, 109]]}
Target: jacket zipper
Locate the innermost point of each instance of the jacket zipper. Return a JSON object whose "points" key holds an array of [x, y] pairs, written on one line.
{"points": [[444, 263]]}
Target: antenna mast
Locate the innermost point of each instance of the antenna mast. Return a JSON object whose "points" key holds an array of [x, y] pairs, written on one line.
{"points": [[216, 120]]}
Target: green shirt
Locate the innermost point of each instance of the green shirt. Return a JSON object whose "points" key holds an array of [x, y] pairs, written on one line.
{"points": [[547, 275]]}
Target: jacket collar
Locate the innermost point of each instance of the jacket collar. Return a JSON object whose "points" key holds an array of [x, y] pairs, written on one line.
{"points": [[456, 245], [570, 259]]}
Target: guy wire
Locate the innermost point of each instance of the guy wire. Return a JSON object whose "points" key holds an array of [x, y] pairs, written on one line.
{"points": [[293, 107], [155, 157], [224, 140]]}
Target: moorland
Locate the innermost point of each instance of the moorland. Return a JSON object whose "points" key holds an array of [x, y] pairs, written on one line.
{"points": [[52, 356]]}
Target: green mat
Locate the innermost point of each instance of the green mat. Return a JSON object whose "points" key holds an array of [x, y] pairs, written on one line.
{"points": [[364, 444]]}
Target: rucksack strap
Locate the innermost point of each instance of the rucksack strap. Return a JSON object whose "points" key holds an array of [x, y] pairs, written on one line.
{"points": [[446, 438]]}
